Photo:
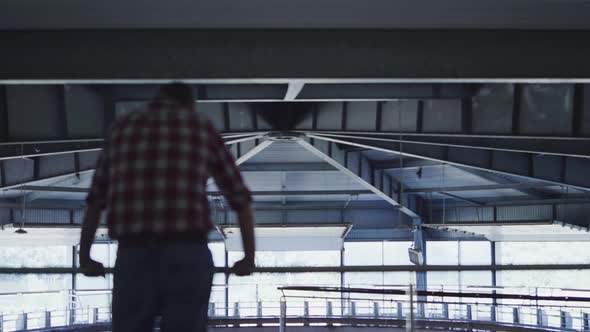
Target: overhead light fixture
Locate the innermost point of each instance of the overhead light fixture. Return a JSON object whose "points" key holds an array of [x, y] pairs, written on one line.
{"points": [[416, 256], [20, 231]]}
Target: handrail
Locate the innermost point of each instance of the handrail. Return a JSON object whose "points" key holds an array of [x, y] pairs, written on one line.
{"points": [[437, 293]]}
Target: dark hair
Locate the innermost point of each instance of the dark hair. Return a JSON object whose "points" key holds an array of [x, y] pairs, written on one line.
{"points": [[177, 93]]}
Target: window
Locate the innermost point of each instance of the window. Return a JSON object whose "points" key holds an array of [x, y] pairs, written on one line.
{"points": [[290, 258], [377, 253], [543, 253]]}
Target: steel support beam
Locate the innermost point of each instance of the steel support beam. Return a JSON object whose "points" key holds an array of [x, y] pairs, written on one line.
{"points": [[11, 150], [294, 90], [358, 168], [65, 189], [558, 146], [285, 167], [515, 186], [549, 169], [248, 54]]}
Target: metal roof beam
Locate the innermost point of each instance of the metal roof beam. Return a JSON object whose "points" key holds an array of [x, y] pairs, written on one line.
{"points": [[29, 56], [285, 167], [358, 167], [563, 171], [544, 145]]}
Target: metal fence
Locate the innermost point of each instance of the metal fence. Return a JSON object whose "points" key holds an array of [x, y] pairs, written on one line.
{"points": [[296, 308]]}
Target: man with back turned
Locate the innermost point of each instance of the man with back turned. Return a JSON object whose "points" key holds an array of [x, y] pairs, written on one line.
{"points": [[151, 179]]}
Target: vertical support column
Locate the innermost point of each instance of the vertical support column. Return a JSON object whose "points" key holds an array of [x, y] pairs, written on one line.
{"points": [[421, 276], [585, 322], [4, 126], [283, 316], [515, 315], [305, 313], [541, 318], [445, 310], [353, 309], [516, 103], [400, 311], [47, 319], [329, 312], [95, 315], [565, 319], [493, 308], [375, 310], [469, 312]]}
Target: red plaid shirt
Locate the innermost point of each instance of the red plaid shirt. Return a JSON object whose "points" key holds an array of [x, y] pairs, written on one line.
{"points": [[152, 174]]}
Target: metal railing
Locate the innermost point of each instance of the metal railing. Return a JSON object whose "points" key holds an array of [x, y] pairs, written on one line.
{"points": [[348, 308]]}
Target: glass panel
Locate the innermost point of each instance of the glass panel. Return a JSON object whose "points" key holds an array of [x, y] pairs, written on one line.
{"points": [[543, 253], [37, 256], [51, 286], [218, 253], [363, 253], [263, 287], [475, 253], [442, 252], [290, 258], [446, 280], [396, 253], [569, 279]]}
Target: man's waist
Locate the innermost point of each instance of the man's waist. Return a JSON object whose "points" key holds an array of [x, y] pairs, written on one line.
{"points": [[155, 239]]}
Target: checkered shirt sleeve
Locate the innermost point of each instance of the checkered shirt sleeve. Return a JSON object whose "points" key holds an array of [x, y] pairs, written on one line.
{"points": [[226, 174]]}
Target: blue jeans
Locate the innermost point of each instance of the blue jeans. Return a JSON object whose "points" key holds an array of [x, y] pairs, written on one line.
{"points": [[168, 280]]}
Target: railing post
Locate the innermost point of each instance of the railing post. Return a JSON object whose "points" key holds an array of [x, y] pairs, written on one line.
{"points": [[21, 322], [541, 318], [329, 312], [47, 319], [353, 311], [237, 309], [305, 313], [283, 317], [259, 313], [375, 309], [259, 309], [410, 316], [515, 316], [400, 312], [445, 310], [493, 313], [95, 315], [585, 322], [565, 320], [469, 312], [211, 309]]}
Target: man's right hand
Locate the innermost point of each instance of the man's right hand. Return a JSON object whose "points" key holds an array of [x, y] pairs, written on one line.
{"points": [[243, 267], [92, 268]]}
